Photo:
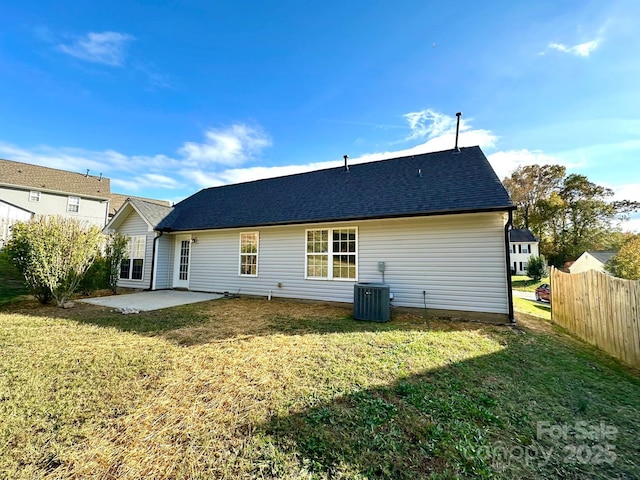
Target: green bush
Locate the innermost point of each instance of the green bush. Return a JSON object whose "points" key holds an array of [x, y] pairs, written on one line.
{"points": [[97, 277], [537, 268], [53, 254], [116, 252]]}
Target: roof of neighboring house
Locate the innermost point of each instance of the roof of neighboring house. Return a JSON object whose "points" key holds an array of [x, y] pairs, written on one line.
{"points": [[35, 177], [16, 206], [427, 184], [603, 256], [116, 200], [521, 235]]}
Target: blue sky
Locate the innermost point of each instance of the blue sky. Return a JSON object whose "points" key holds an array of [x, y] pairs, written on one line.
{"points": [[167, 98]]}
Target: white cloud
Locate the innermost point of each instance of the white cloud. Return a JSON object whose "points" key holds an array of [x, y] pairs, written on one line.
{"points": [[579, 50], [631, 225], [505, 162], [139, 182], [239, 175], [429, 124], [628, 191], [230, 146], [107, 48], [440, 131], [439, 128]]}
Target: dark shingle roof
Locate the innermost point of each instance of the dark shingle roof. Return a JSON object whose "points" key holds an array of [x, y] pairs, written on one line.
{"points": [[116, 200], [151, 211], [36, 177], [521, 235], [427, 184], [603, 256]]}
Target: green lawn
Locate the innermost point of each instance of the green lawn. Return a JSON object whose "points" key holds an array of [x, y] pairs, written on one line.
{"points": [[526, 284], [248, 388], [532, 307]]}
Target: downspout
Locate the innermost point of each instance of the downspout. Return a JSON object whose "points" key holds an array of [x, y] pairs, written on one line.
{"points": [[509, 223], [153, 261]]}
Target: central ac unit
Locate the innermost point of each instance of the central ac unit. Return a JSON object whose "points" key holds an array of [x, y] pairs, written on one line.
{"points": [[372, 301]]}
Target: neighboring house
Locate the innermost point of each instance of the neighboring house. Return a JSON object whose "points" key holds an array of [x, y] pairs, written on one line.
{"points": [[438, 221], [36, 190], [49, 191], [137, 219], [522, 246], [595, 260], [10, 214]]}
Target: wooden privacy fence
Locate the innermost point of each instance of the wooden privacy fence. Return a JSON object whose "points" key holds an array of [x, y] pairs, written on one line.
{"points": [[600, 309]]}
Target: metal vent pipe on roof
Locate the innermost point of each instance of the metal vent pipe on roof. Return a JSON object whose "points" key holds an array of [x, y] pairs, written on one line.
{"points": [[346, 165], [459, 114]]}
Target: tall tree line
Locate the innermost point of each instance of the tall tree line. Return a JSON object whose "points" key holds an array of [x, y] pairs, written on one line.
{"points": [[568, 213]]}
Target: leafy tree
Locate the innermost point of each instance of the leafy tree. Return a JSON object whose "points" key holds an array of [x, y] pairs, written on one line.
{"points": [[569, 214], [626, 263], [527, 186], [537, 268], [53, 254], [116, 251]]}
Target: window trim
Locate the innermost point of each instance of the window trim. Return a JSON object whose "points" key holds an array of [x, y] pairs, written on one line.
{"points": [[34, 196], [241, 254], [330, 253], [131, 258], [70, 204]]}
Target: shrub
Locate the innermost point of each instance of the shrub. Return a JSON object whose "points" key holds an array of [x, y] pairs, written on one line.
{"points": [[626, 263], [116, 251], [97, 277], [53, 254], [537, 268]]}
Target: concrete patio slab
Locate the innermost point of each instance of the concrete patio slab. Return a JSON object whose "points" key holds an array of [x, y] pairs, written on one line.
{"points": [[145, 301]]}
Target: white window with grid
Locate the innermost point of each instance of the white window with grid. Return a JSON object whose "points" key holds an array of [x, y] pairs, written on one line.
{"points": [[73, 204], [249, 254], [34, 196], [132, 265], [332, 254]]}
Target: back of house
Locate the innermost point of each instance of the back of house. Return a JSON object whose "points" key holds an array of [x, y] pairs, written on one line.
{"points": [[436, 221]]}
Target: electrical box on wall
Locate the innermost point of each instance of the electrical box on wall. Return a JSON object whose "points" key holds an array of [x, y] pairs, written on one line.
{"points": [[381, 266]]}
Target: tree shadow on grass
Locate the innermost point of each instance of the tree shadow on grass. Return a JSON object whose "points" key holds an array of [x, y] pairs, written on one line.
{"points": [[471, 419]]}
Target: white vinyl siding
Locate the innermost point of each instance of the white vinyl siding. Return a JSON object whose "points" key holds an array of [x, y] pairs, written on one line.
{"points": [[164, 265], [135, 226], [459, 260], [92, 210]]}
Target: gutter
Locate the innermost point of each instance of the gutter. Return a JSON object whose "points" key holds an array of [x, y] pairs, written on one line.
{"points": [[153, 261], [509, 223]]}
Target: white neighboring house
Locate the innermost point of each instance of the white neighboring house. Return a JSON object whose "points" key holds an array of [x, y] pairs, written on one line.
{"points": [[49, 191], [522, 246], [594, 260], [432, 226], [9, 214]]}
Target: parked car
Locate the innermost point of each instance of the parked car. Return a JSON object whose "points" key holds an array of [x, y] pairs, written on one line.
{"points": [[543, 292]]}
